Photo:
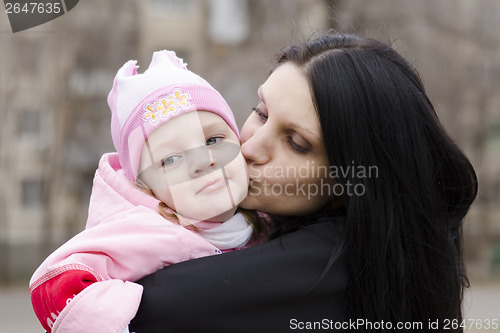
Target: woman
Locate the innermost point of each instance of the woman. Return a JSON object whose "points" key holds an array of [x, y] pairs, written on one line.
{"points": [[372, 244]]}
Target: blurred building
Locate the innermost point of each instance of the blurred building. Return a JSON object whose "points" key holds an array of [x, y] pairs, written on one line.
{"points": [[53, 88], [28, 88], [55, 126]]}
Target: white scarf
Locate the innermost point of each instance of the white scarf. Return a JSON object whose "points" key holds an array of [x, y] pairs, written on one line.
{"points": [[233, 233]]}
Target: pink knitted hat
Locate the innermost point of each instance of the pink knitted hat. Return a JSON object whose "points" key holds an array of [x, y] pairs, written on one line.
{"points": [[140, 103]]}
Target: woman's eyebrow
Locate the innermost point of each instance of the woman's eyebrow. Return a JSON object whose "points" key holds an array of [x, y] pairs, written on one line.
{"points": [[314, 134]]}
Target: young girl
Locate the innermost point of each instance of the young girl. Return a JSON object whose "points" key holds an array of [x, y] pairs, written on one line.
{"points": [[178, 174]]}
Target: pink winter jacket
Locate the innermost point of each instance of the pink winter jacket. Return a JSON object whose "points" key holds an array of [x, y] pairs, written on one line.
{"points": [[83, 286]]}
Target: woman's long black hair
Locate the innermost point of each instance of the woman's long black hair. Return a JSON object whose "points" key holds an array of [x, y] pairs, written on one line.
{"points": [[404, 233]]}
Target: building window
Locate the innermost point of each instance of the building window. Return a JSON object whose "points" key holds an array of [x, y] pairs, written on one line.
{"points": [[31, 193], [178, 6], [32, 127], [29, 123]]}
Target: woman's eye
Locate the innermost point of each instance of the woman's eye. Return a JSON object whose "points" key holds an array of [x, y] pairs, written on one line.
{"points": [[263, 117], [213, 140], [295, 146], [169, 160]]}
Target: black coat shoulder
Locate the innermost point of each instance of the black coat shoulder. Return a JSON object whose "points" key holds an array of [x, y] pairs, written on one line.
{"points": [[271, 287]]}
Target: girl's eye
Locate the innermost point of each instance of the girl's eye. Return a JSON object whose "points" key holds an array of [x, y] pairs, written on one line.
{"points": [[213, 140], [296, 147], [169, 160], [263, 117]]}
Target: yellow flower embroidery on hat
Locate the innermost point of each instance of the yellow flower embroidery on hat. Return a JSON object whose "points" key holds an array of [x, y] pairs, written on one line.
{"points": [[150, 114], [166, 105], [182, 99]]}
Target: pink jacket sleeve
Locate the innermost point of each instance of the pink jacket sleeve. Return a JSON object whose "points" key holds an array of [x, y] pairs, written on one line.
{"points": [[132, 245]]}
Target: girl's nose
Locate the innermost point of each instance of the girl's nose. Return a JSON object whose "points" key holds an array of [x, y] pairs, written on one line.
{"points": [[201, 161]]}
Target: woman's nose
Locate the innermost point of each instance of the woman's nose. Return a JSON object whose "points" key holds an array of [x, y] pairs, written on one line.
{"points": [[257, 147]]}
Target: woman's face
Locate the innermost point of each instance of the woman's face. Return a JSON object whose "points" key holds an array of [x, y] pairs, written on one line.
{"points": [[282, 143]]}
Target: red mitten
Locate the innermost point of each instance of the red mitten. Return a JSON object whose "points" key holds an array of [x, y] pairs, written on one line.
{"points": [[51, 293]]}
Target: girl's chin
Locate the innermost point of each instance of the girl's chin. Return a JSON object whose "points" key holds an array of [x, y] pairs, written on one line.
{"points": [[222, 217]]}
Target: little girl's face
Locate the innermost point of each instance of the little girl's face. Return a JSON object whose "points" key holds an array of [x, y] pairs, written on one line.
{"points": [[193, 164]]}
